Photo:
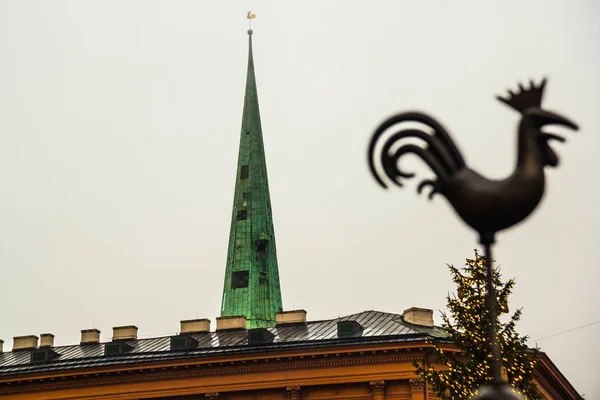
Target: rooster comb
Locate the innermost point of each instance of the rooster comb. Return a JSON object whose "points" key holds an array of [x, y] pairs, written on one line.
{"points": [[526, 97]]}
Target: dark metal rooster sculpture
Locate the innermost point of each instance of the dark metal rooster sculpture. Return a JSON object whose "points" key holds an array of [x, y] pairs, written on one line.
{"points": [[488, 206]]}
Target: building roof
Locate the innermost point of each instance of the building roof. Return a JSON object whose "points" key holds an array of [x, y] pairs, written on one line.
{"points": [[378, 327]]}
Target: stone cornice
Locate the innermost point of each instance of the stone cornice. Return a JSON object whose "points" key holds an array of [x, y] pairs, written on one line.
{"points": [[412, 350], [550, 378], [177, 373]]}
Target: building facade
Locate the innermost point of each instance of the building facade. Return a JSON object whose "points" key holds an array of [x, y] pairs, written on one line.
{"points": [[363, 356]]}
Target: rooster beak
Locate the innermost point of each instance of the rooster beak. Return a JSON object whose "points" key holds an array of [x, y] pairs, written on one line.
{"points": [[543, 117]]}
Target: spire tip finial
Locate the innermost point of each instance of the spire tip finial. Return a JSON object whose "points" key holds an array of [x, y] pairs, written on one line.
{"points": [[250, 17]]}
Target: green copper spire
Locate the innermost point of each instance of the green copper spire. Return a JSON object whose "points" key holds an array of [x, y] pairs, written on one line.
{"points": [[252, 276]]}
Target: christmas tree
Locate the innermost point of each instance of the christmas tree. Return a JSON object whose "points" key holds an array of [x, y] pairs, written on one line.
{"points": [[460, 374]]}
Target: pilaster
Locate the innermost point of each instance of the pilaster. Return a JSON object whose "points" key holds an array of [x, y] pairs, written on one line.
{"points": [[417, 389], [378, 388], [294, 392]]}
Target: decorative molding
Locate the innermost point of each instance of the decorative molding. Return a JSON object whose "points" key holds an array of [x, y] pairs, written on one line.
{"points": [[294, 392], [151, 364], [177, 372], [378, 387], [417, 385], [550, 379]]}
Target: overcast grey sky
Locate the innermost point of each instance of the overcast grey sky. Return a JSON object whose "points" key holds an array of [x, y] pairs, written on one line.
{"points": [[119, 129]]}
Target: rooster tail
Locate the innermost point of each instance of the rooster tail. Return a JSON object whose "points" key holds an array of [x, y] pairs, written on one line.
{"points": [[440, 154]]}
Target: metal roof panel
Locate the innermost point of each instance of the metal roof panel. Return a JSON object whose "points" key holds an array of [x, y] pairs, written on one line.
{"points": [[378, 327]]}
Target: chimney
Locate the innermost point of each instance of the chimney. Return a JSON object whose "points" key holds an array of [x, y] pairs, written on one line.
{"points": [[291, 317], [90, 336], [25, 342], [419, 316], [195, 326], [128, 332], [46, 340], [233, 322], [1, 345]]}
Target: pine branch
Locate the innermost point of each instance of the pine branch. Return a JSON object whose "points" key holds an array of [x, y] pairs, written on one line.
{"points": [[464, 371]]}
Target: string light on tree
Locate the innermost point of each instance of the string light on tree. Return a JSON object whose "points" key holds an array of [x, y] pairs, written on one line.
{"points": [[470, 369]]}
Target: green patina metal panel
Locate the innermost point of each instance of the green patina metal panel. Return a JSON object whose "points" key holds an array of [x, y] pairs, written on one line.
{"points": [[252, 277]]}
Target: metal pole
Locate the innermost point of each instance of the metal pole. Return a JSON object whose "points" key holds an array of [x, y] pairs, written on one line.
{"points": [[491, 302]]}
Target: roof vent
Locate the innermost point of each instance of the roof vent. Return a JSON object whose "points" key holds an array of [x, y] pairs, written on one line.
{"points": [[349, 329], [260, 336], [291, 317], [183, 342], [25, 342], [116, 348], [195, 326], [233, 322], [128, 332], [90, 336], [1, 345], [43, 355], [46, 340], [419, 316]]}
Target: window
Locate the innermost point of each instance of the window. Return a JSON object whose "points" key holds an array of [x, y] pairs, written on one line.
{"points": [[259, 336], [239, 279], [183, 342], [261, 248], [242, 215], [349, 329], [43, 355], [244, 172], [116, 348]]}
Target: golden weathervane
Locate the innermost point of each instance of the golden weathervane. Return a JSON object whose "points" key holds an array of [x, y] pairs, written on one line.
{"points": [[250, 17]]}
